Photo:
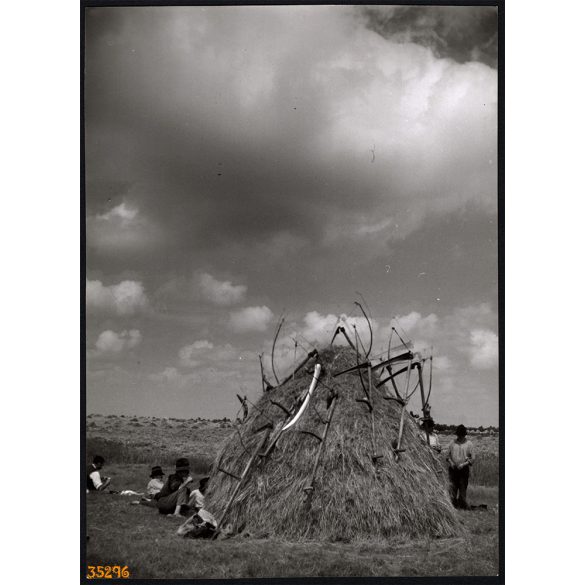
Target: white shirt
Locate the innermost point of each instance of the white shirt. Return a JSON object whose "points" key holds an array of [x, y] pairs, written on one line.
{"points": [[96, 479], [199, 498], [154, 486]]}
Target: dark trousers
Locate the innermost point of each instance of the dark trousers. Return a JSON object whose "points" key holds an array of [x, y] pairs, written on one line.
{"points": [[458, 479], [168, 504]]}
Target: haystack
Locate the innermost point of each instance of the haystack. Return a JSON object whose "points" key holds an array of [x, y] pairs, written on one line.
{"points": [[352, 495]]}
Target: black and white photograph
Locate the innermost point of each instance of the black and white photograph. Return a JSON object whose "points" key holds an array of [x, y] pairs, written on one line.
{"points": [[292, 245]]}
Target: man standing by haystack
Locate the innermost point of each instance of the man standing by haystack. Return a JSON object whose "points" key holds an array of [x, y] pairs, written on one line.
{"points": [[460, 458]]}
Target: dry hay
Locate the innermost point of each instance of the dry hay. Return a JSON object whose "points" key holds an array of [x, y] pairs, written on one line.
{"points": [[353, 498]]}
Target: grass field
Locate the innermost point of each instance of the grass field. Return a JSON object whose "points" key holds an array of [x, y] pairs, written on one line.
{"points": [[136, 536]]}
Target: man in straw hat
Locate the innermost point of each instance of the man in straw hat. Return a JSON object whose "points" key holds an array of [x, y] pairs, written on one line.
{"points": [[173, 498], [460, 457]]}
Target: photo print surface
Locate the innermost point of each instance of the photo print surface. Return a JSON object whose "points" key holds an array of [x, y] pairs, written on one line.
{"points": [[291, 254]]}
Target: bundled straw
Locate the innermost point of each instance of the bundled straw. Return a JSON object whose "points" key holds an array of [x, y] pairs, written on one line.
{"points": [[353, 497]]}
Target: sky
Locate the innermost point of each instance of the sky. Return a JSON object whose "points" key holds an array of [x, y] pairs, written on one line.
{"points": [[244, 163]]}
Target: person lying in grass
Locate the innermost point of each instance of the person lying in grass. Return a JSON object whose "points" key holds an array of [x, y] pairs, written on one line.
{"points": [[93, 476]]}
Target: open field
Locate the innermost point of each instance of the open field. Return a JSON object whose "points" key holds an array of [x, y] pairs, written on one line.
{"points": [[136, 536]]}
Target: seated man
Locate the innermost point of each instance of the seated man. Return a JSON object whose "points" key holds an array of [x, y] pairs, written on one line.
{"points": [[197, 499], [175, 493], [94, 479]]}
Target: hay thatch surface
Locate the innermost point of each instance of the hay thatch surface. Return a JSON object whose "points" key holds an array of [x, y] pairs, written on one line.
{"points": [[353, 499]]}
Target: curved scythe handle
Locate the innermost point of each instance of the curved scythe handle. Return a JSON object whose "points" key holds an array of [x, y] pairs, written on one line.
{"points": [[369, 327], [273, 346], [307, 398]]}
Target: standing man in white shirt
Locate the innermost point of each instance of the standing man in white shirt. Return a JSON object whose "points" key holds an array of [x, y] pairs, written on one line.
{"points": [[460, 457]]}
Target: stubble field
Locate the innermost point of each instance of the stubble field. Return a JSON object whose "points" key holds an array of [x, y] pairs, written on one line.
{"points": [[144, 541]]}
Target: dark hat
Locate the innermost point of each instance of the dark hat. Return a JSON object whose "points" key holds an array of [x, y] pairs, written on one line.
{"points": [[461, 431], [182, 464], [156, 471]]}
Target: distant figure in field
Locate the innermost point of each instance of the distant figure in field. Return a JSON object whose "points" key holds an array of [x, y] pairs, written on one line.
{"points": [[173, 497], [94, 479], [460, 457], [156, 482], [428, 427]]}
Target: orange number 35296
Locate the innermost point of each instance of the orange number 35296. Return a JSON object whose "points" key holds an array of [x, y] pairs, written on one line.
{"points": [[107, 572]]}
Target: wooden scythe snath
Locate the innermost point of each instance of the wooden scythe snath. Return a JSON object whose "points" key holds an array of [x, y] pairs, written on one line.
{"points": [[310, 487], [341, 329], [358, 339], [244, 402], [281, 406], [391, 377], [422, 398], [280, 324], [369, 327], [401, 427], [262, 373], [375, 455], [310, 355], [239, 484]]}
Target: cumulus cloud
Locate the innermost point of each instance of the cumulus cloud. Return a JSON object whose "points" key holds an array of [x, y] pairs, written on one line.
{"points": [[310, 102], [415, 324], [250, 319], [121, 229], [122, 212], [169, 374], [319, 329], [112, 342], [458, 32], [221, 293], [192, 355], [126, 298], [204, 352], [484, 349]]}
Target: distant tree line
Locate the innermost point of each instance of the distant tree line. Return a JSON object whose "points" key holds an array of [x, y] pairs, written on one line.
{"points": [[451, 429]]}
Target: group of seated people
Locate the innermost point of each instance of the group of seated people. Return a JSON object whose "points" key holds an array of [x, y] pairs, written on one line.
{"points": [[173, 497], [176, 495]]}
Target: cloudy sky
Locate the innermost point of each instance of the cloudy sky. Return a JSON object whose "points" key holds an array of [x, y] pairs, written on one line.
{"points": [[242, 162]]}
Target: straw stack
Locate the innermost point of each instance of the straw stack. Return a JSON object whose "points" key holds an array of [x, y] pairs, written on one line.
{"points": [[353, 497]]}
